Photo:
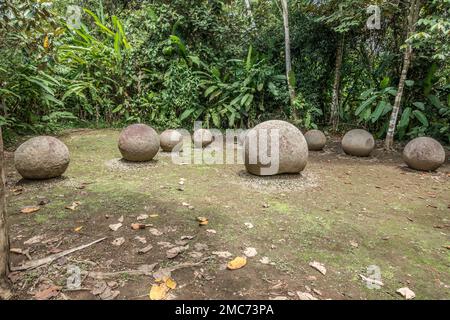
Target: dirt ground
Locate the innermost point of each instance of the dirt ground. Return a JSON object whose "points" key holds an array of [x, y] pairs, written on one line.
{"points": [[346, 213]]}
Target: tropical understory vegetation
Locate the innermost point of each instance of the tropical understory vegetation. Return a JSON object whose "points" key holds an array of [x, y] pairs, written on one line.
{"points": [[170, 63]]}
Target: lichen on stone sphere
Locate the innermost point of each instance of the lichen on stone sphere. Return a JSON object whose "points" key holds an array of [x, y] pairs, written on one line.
{"points": [[42, 157], [138, 143], [358, 142], [316, 140], [424, 154], [290, 156], [170, 139]]}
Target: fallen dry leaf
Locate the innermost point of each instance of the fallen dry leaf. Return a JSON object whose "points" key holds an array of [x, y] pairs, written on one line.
{"points": [[354, 244], [145, 250], [115, 227], [249, 225], [158, 292], [138, 226], [73, 206], [30, 209], [212, 231], [33, 240], [78, 229], [318, 266], [154, 215], [48, 293], [120, 219], [265, 260], [142, 217], [406, 293], [141, 239], [237, 263], [170, 283], [202, 221], [118, 242], [173, 252], [305, 296], [250, 252]]}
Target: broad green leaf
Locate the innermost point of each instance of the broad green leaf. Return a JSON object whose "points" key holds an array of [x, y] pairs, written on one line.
{"points": [[365, 104], [421, 117], [419, 105], [186, 114], [404, 121]]}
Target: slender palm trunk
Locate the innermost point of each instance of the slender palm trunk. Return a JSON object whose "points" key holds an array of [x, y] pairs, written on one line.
{"points": [[287, 43], [5, 292], [413, 16], [334, 117], [250, 13]]}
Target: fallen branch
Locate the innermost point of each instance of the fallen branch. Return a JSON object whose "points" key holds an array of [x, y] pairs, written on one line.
{"points": [[33, 264], [144, 270]]}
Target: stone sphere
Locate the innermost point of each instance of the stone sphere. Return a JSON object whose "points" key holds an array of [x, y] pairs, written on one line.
{"points": [[316, 140], [42, 157], [203, 138], [358, 142], [292, 151], [424, 154], [169, 139], [138, 143]]}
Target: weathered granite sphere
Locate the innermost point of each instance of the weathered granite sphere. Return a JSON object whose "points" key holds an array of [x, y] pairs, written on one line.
{"points": [[169, 139], [138, 143], [291, 155], [203, 138], [358, 142], [42, 157], [316, 140], [424, 154]]}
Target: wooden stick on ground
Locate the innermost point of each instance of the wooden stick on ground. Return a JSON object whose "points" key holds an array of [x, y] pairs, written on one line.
{"points": [[33, 264]]}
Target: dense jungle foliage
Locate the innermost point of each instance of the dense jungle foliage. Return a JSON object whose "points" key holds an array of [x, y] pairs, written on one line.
{"points": [[170, 63]]}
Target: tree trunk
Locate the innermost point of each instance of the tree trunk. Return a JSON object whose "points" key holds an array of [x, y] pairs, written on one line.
{"points": [[5, 292], [287, 43], [250, 13], [413, 16], [334, 117]]}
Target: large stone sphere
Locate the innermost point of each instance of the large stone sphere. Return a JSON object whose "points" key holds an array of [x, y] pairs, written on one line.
{"points": [[424, 154], [42, 158], [316, 140], [203, 138], [358, 142], [138, 143], [169, 139], [292, 151]]}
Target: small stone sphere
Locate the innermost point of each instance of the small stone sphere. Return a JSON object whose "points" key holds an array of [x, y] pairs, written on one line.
{"points": [[424, 154], [292, 149], [316, 140], [138, 143], [169, 139], [203, 138], [42, 157], [358, 142]]}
